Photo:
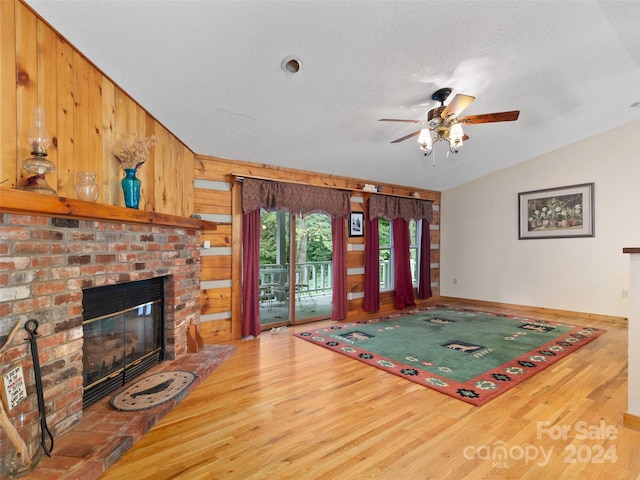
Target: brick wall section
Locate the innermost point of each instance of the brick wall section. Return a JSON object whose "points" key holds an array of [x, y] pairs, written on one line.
{"points": [[44, 265]]}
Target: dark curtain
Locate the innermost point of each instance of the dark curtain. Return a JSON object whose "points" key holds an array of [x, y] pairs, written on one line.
{"points": [[251, 274], [405, 209], [402, 264], [339, 291], [300, 200], [424, 282], [371, 266], [397, 207]]}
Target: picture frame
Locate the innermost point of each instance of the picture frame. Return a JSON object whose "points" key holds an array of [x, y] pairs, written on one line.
{"points": [[561, 212], [356, 224]]}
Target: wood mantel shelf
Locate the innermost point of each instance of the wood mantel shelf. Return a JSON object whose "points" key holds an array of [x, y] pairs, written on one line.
{"points": [[30, 203], [631, 250]]}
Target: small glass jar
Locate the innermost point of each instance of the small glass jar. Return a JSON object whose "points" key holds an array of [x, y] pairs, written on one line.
{"points": [[86, 187], [16, 465]]}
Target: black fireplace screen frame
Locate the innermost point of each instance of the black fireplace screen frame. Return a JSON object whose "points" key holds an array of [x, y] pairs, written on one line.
{"points": [[112, 303]]}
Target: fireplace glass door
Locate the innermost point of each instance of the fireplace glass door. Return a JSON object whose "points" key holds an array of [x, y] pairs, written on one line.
{"points": [[122, 331], [112, 342]]}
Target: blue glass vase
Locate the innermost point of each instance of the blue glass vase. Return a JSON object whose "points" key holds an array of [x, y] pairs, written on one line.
{"points": [[131, 188]]}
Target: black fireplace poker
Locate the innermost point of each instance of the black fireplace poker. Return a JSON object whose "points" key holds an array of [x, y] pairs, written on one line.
{"points": [[31, 326]]}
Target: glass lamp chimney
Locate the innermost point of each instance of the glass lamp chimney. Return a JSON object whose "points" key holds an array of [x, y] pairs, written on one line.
{"points": [[38, 134], [37, 164]]}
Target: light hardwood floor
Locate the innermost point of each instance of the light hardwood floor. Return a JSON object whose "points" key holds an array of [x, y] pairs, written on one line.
{"points": [[283, 408]]}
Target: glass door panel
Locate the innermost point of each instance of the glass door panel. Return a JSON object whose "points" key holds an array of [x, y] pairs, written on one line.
{"points": [[289, 296], [274, 268], [314, 268]]}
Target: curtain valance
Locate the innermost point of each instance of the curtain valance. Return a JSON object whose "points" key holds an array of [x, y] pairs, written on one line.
{"points": [[298, 199], [391, 208]]}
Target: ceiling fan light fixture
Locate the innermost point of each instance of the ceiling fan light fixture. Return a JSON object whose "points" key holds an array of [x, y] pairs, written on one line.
{"points": [[425, 136], [425, 141], [455, 137], [455, 132], [452, 135]]}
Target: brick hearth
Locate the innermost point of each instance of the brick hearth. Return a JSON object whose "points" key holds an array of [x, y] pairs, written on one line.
{"points": [[104, 434]]}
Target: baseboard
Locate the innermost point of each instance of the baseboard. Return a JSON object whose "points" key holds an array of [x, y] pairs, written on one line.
{"points": [[546, 311], [475, 303], [631, 421]]}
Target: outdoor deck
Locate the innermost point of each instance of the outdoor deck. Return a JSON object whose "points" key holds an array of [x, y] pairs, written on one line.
{"points": [[274, 312]]}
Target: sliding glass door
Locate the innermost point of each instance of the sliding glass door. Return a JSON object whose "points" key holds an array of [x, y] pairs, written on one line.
{"points": [[295, 270]]}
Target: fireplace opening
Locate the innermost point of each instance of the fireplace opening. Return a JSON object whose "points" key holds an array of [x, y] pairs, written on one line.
{"points": [[123, 335]]}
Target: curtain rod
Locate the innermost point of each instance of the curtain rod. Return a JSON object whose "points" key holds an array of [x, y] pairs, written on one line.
{"points": [[240, 177]]}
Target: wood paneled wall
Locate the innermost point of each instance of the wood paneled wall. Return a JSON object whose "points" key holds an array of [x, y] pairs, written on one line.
{"points": [[88, 118], [217, 200]]}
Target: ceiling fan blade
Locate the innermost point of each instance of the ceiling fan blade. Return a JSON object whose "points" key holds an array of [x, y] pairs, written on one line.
{"points": [[490, 117], [402, 139], [457, 105], [399, 120], [465, 137]]}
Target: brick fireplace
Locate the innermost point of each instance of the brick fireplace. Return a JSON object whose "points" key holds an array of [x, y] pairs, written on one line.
{"points": [[46, 260]]}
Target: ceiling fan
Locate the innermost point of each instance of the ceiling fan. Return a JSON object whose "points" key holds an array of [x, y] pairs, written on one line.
{"points": [[443, 123]]}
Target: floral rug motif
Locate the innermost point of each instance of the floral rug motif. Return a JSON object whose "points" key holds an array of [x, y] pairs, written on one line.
{"points": [[470, 355]]}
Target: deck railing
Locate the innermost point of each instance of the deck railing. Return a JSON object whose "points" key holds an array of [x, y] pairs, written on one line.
{"points": [[316, 276]]}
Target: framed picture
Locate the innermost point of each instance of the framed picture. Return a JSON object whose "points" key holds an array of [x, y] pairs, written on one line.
{"points": [[556, 212], [356, 224]]}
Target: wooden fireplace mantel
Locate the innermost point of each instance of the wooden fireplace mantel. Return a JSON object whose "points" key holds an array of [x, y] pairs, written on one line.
{"points": [[30, 203]]}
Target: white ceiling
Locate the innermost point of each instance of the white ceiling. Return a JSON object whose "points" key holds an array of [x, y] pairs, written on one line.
{"points": [[210, 71]]}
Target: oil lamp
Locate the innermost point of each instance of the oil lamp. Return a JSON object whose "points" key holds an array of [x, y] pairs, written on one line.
{"points": [[38, 164]]}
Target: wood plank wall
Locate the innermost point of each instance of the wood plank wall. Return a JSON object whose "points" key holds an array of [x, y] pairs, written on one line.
{"points": [[217, 200], [88, 117]]}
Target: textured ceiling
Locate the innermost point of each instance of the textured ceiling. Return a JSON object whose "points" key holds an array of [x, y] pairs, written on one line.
{"points": [[210, 71]]}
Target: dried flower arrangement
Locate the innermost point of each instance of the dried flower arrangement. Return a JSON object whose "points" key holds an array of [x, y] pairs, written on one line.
{"points": [[134, 155]]}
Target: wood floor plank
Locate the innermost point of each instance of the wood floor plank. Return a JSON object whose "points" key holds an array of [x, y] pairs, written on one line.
{"points": [[283, 408]]}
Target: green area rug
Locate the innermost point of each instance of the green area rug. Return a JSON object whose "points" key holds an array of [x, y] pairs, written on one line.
{"points": [[470, 355]]}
